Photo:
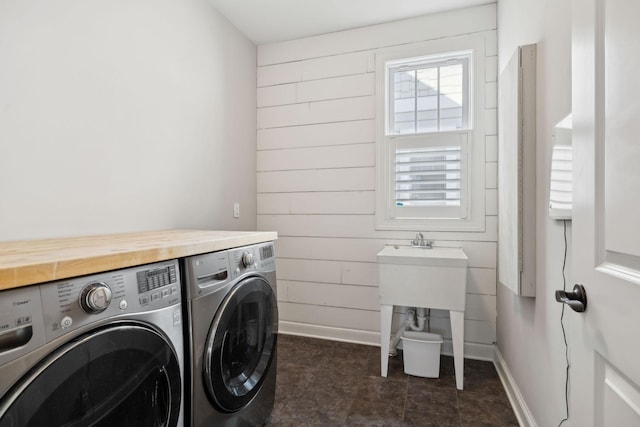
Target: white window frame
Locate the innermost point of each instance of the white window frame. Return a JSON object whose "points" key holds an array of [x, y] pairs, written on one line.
{"points": [[471, 214]]}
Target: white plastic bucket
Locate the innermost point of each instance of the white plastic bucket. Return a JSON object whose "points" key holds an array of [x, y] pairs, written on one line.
{"points": [[421, 353]]}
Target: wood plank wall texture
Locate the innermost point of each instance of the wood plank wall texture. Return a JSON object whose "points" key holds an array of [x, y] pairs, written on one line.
{"points": [[316, 180]]}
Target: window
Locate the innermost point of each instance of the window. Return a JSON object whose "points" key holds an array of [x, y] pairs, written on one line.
{"points": [[428, 137], [428, 94]]}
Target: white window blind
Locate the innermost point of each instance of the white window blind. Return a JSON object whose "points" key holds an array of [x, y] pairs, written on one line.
{"points": [[429, 176], [561, 186], [561, 182]]}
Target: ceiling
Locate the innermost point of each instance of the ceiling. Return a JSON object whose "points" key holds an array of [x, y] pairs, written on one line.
{"points": [[268, 21]]}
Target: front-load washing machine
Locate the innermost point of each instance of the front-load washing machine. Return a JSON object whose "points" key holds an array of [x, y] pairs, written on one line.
{"points": [[231, 336], [101, 350]]}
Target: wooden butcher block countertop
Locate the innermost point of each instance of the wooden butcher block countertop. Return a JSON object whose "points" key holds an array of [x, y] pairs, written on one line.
{"points": [[29, 262]]}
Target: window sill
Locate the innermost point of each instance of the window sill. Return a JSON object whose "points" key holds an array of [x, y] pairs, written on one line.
{"points": [[431, 224]]}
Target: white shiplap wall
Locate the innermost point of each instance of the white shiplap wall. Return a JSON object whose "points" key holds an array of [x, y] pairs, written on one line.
{"points": [[316, 180]]}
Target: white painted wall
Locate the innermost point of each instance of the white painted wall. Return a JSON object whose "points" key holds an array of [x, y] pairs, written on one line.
{"points": [[121, 116], [316, 179], [529, 335]]}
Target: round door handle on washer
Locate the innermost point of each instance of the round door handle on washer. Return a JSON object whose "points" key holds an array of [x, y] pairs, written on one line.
{"points": [[95, 298]]}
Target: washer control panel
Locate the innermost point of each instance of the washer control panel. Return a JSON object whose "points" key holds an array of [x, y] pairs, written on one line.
{"points": [[156, 284], [71, 303], [260, 257]]}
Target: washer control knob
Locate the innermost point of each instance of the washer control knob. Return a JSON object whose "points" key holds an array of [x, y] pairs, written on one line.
{"points": [[95, 298], [247, 259]]}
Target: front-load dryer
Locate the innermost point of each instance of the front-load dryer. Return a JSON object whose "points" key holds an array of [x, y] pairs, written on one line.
{"points": [[101, 350], [231, 335]]}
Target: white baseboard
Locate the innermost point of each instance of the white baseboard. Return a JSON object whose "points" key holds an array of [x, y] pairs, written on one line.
{"points": [[471, 350], [522, 412], [329, 333]]}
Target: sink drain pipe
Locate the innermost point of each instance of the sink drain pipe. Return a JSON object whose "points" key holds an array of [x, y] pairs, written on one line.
{"points": [[409, 323]]}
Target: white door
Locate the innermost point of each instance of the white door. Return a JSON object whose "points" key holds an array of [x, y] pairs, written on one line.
{"points": [[605, 340]]}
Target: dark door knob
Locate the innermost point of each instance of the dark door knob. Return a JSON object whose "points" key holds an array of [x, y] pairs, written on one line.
{"points": [[577, 299]]}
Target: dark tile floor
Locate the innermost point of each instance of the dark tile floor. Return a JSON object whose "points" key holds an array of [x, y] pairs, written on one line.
{"points": [[328, 383]]}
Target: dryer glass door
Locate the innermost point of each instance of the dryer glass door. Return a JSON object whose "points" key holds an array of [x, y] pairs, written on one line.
{"points": [[241, 344], [123, 375]]}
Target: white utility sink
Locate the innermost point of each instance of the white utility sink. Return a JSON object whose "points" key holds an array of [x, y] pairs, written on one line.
{"points": [[419, 277], [446, 257], [423, 277]]}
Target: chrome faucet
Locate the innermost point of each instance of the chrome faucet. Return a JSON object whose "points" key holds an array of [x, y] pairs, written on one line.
{"points": [[419, 242], [419, 239]]}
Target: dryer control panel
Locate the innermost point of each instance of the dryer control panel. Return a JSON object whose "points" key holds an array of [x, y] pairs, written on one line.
{"points": [[258, 258], [210, 272], [71, 303]]}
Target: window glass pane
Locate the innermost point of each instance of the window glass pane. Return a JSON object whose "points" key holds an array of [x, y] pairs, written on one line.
{"points": [[427, 79], [451, 97], [404, 105]]}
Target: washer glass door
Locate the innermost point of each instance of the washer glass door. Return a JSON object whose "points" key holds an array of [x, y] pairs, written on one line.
{"points": [[122, 375], [241, 344]]}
